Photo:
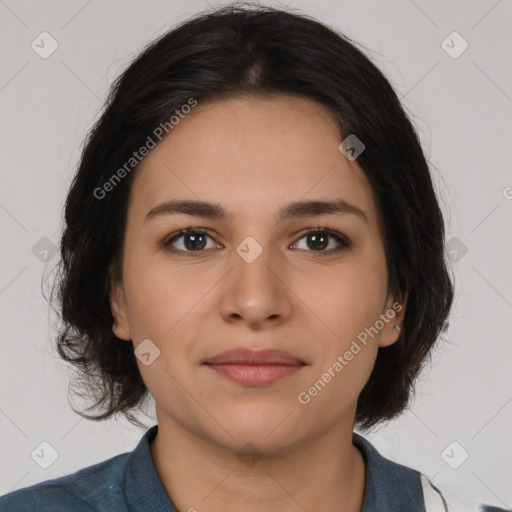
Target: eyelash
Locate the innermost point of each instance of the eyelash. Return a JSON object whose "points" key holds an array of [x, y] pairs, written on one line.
{"points": [[342, 240]]}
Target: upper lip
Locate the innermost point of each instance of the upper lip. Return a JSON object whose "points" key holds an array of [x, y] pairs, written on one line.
{"points": [[254, 357]]}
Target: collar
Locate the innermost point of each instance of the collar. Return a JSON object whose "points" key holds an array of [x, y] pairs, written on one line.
{"points": [[389, 486]]}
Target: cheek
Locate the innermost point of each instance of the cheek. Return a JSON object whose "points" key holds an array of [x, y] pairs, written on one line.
{"points": [[153, 299], [164, 298], [346, 300]]}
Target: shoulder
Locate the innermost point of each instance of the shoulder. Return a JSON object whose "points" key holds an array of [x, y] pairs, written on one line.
{"points": [[391, 486], [394, 487], [99, 485]]}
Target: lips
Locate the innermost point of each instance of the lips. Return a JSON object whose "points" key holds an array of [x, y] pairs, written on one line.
{"points": [[252, 357], [254, 368]]}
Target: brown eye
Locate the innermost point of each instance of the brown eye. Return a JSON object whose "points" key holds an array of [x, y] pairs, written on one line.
{"points": [[189, 240], [317, 240]]}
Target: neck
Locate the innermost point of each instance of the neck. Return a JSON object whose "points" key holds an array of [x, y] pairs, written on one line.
{"points": [[324, 474]]}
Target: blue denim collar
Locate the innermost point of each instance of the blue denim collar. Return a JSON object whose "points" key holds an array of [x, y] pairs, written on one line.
{"points": [[389, 486]]}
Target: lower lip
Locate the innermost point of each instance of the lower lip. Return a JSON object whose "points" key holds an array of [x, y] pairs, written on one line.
{"points": [[255, 375]]}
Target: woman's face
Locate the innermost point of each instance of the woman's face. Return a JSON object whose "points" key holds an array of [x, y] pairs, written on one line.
{"points": [[254, 278]]}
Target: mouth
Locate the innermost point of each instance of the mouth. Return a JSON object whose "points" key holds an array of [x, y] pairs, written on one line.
{"points": [[254, 368]]}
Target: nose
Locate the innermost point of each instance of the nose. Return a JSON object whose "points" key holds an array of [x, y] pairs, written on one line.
{"points": [[255, 291]]}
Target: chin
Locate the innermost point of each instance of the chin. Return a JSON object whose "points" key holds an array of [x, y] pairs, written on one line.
{"points": [[251, 442], [263, 428]]}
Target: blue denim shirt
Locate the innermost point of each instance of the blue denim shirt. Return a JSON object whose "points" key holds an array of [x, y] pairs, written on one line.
{"points": [[129, 482]]}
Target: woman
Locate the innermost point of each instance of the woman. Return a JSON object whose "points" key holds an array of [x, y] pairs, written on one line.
{"points": [[252, 238]]}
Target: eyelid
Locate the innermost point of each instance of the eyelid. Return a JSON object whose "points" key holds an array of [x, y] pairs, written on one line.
{"points": [[344, 242], [167, 243]]}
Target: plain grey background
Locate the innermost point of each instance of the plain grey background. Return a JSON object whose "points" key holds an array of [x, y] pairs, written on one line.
{"points": [[461, 102]]}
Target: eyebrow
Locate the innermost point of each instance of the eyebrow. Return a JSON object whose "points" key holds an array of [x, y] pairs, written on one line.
{"points": [[296, 209]]}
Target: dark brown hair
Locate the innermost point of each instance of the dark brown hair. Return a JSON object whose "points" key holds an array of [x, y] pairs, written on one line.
{"points": [[220, 54]]}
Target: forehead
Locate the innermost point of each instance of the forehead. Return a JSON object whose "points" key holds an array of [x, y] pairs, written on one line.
{"points": [[250, 154]]}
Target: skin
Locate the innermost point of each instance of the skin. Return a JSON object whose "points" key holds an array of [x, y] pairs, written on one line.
{"points": [[253, 156]]}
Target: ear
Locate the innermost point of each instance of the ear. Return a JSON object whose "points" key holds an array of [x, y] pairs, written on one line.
{"points": [[120, 326], [392, 315]]}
